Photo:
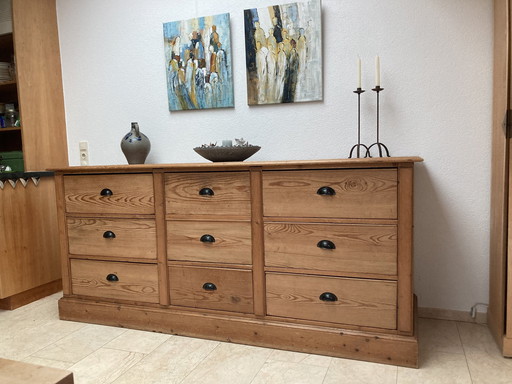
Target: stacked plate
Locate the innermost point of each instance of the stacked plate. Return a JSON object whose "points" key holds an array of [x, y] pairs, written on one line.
{"points": [[5, 73]]}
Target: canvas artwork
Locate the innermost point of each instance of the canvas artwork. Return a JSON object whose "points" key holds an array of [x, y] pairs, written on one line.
{"points": [[283, 45], [198, 63]]}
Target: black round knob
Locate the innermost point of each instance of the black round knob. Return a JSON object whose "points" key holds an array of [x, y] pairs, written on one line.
{"points": [[328, 296], [112, 277], [207, 239], [326, 191], [326, 244], [109, 235], [106, 192], [206, 192], [209, 287]]}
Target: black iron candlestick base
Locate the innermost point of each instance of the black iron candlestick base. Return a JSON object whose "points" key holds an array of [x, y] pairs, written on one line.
{"points": [[378, 144], [358, 146]]}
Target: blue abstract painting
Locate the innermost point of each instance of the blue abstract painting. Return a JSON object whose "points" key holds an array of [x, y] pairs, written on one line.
{"points": [[283, 50], [198, 63]]}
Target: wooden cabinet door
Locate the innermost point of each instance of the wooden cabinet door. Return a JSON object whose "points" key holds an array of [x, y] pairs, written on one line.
{"points": [[500, 291]]}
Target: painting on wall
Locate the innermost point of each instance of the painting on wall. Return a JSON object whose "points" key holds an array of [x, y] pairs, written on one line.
{"points": [[283, 45], [198, 63]]}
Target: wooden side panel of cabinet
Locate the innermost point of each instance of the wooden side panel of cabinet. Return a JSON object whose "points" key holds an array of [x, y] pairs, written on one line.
{"points": [[500, 181], [507, 338], [29, 245], [36, 47]]}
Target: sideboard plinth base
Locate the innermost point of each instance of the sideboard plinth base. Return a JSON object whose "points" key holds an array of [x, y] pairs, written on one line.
{"points": [[336, 342]]}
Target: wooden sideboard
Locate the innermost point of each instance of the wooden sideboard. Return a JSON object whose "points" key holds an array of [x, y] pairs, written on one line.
{"points": [[310, 256]]}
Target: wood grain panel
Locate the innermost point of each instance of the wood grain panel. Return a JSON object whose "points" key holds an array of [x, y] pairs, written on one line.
{"points": [[500, 177], [405, 251], [368, 193], [258, 251], [29, 237], [358, 248], [232, 194], [134, 238], [38, 70], [137, 282], [131, 193], [17, 372], [369, 303], [232, 241], [233, 288]]}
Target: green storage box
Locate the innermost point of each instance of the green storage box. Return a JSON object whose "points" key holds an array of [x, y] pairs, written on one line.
{"points": [[13, 159]]}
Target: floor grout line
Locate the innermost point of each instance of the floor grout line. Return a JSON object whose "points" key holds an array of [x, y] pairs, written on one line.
{"points": [[464, 349]]}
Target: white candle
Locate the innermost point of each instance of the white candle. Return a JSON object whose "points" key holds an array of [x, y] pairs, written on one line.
{"points": [[358, 72], [377, 71], [227, 143]]}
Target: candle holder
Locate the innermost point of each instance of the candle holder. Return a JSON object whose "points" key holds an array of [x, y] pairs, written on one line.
{"points": [[378, 144], [358, 146]]}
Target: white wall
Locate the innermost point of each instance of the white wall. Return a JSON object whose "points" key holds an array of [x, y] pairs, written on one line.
{"points": [[436, 58]]}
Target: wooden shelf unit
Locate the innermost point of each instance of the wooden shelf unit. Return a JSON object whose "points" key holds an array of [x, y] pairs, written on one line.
{"points": [[30, 262]]}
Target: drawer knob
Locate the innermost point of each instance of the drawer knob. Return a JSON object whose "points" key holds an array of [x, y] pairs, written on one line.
{"points": [[328, 296], [109, 235], [209, 287], [106, 192], [206, 192], [326, 244], [112, 277], [207, 239], [326, 191]]}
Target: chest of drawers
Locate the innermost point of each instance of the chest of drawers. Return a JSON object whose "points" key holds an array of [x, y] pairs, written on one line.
{"points": [[311, 256]]}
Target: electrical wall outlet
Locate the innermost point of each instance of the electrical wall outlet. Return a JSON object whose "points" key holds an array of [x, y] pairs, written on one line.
{"points": [[84, 152]]}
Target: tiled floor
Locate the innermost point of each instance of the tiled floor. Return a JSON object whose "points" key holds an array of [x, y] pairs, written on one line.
{"points": [[450, 352]]}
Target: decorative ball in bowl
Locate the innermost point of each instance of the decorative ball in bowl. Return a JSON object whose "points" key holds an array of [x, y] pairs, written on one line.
{"points": [[233, 153]]}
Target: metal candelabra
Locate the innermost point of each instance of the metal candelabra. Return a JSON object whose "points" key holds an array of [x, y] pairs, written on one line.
{"points": [[358, 146], [378, 144]]}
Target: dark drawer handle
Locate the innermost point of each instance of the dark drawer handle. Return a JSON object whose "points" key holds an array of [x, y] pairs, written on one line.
{"points": [[207, 239], [326, 191], [206, 192], [112, 277], [109, 235], [326, 244], [209, 287], [106, 192], [328, 296]]}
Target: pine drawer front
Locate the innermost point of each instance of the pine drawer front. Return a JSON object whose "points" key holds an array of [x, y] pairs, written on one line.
{"points": [[116, 194], [370, 303], [219, 242], [127, 238], [211, 288], [209, 193], [360, 193], [113, 280], [332, 247]]}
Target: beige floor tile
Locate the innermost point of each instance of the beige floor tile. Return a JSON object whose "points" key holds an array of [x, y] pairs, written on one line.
{"points": [[18, 344], [170, 363], [138, 341], [439, 335], [281, 372], [297, 357], [476, 338], [359, 372], [80, 344], [104, 366], [489, 369], [229, 364], [437, 368]]}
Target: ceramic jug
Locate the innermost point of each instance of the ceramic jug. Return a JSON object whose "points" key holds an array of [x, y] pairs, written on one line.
{"points": [[135, 145]]}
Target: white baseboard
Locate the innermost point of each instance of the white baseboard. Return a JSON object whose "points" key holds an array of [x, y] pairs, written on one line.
{"points": [[450, 314]]}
